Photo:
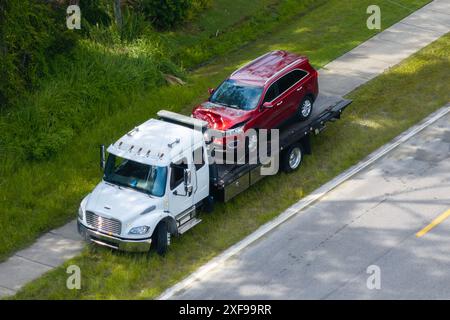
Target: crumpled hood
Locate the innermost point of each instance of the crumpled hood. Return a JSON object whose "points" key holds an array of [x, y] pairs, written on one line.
{"points": [[220, 117], [121, 203]]}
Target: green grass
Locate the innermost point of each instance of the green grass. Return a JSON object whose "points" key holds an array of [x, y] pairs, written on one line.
{"points": [[220, 16], [382, 109], [224, 27]]}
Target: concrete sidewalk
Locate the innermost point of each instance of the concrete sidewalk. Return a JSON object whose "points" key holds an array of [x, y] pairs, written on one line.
{"points": [[386, 49], [337, 78]]}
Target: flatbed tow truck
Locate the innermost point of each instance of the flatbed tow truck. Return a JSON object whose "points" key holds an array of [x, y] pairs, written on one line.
{"points": [[152, 189]]}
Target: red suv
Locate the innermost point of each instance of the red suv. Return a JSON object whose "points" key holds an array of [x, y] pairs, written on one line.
{"points": [[263, 94]]}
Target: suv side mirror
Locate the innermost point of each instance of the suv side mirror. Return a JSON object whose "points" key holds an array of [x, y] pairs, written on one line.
{"points": [[268, 105], [102, 157], [211, 91]]}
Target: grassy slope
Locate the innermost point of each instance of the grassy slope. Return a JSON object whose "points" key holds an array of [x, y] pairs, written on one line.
{"points": [[220, 16], [223, 27], [381, 110]]}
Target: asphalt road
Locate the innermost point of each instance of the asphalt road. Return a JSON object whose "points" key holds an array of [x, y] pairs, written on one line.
{"points": [[372, 219]]}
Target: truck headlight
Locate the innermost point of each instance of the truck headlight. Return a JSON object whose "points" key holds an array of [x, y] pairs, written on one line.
{"points": [[80, 213], [139, 230]]}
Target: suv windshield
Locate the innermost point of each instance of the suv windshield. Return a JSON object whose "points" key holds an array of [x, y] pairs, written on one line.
{"points": [[237, 95], [139, 176]]}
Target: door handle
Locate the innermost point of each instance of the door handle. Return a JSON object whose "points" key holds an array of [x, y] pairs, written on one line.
{"points": [[299, 89], [280, 103]]}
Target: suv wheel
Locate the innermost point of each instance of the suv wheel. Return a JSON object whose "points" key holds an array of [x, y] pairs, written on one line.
{"points": [[305, 108]]}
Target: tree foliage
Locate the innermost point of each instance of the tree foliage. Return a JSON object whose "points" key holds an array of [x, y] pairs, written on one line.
{"points": [[31, 33]]}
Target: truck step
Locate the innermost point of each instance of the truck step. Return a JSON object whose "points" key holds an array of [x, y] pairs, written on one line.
{"points": [[186, 226]]}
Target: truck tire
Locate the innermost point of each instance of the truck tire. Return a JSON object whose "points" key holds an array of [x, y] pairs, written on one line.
{"points": [[292, 158], [305, 108], [160, 238]]}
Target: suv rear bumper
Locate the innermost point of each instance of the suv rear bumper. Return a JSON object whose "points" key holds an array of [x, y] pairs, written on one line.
{"points": [[130, 245]]}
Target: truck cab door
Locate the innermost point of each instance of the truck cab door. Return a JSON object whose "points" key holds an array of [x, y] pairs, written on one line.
{"points": [[181, 196], [200, 178]]}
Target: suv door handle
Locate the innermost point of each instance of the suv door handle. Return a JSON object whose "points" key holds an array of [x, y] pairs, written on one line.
{"points": [[279, 103], [298, 89]]}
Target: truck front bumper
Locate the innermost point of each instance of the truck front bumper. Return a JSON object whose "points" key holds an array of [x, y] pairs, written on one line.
{"points": [[130, 245]]}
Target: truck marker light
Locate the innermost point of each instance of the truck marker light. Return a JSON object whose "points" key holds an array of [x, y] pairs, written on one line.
{"points": [[130, 133]]}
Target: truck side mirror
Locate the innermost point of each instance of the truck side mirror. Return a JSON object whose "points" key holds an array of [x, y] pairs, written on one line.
{"points": [[102, 157], [187, 176], [211, 91], [268, 105], [187, 181]]}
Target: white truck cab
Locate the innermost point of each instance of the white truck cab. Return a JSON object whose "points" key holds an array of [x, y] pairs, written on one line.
{"points": [[151, 186]]}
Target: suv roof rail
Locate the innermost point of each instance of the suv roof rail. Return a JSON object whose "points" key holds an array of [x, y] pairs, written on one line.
{"points": [[276, 74], [252, 62]]}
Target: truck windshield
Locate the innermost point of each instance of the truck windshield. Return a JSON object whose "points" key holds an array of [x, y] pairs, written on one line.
{"points": [[237, 95], [139, 176]]}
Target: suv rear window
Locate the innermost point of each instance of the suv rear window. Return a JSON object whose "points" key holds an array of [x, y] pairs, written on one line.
{"points": [[290, 79]]}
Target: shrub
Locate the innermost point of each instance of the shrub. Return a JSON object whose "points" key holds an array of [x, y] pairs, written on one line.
{"points": [[95, 12], [164, 14], [87, 86], [31, 33]]}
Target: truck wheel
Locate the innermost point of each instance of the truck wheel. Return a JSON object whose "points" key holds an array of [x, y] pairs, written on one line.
{"points": [[305, 108], [208, 204], [292, 158], [160, 238]]}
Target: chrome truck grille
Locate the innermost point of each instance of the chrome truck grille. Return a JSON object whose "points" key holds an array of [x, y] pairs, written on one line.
{"points": [[108, 225]]}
